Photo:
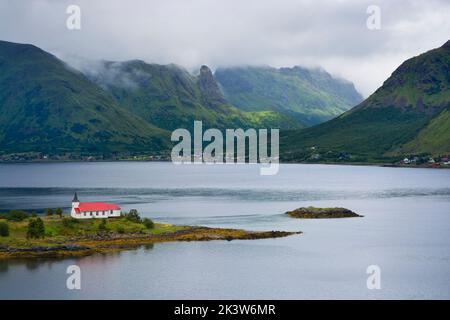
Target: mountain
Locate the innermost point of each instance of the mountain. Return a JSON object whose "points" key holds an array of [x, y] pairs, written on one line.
{"points": [[209, 89], [46, 106], [311, 96], [434, 138], [170, 97], [409, 114], [132, 106]]}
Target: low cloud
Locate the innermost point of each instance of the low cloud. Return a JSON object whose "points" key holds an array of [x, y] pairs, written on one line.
{"points": [[107, 74], [331, 34]]}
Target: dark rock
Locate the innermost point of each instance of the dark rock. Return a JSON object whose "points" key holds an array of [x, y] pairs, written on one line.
{"points": [[211, 94], [321, 213]]}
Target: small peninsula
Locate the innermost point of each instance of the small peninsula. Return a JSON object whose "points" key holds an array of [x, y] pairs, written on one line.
{"points": [[56, 236], [321, 213]]}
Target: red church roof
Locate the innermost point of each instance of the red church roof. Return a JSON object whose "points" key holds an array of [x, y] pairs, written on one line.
{"points": [[95, 206]]}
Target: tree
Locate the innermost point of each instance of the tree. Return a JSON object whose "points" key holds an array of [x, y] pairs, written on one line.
{"points": [[133, 216], [59, 212], [40, 227], [148, 223], [4, 229], [49, 212], [36, 229]]}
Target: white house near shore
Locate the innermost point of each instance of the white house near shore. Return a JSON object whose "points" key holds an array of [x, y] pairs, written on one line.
{"points": [[93, 210]]}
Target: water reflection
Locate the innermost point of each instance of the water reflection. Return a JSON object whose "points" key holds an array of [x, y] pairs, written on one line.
{"points": [[39, 199], [98, 259]]}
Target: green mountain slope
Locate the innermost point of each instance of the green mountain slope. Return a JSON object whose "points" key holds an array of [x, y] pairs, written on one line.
{"points": [[408, 114], [170, 97], [45, 106], [309, 95], [433, 139]]}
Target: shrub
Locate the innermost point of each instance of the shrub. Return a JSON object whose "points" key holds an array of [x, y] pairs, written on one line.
{"points": [[102, 226], [69, 222], [148, 223], [36, 229], [120, 229], [16, 215], [59, 212], [133, 216], [4, 229], [49, 212]]}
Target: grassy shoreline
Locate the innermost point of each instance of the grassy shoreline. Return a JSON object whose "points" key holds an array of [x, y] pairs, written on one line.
{"points": [[87, 237]]}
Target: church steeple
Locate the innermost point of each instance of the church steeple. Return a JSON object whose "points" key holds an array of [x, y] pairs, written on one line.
{"points": [[75, 198]]}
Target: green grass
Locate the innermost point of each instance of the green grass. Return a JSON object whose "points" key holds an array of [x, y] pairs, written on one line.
{"points": [[366, 135], [56, 231], [433, 139]]}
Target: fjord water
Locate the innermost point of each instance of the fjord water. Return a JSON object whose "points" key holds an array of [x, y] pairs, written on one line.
{"points": [[405, 231]]}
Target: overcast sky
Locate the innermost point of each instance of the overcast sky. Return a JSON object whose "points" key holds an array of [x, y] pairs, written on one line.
{"points": [[330, 33]]}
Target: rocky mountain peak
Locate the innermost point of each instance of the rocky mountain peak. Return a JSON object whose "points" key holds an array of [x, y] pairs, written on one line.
{"points": [[446, 45], [205, 70], [211, 94]]}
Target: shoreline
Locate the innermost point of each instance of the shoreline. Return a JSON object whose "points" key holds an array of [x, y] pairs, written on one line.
{"points": [[104, 243], [356, 164]]}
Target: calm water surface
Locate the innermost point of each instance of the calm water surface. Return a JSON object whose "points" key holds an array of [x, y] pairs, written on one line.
{"points": [[405, 231]]}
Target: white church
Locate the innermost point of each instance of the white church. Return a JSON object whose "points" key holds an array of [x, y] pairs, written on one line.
{"points": [[93, 210]]}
